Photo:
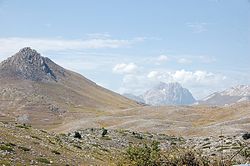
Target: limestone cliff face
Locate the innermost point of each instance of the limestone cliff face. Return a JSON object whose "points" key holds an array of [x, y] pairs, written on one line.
{"points": [[165, 94], [168, 94]]}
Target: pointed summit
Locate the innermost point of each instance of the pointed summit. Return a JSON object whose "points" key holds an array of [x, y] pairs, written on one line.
{"points": [[168, 94], [27, 51], [29, 64]]}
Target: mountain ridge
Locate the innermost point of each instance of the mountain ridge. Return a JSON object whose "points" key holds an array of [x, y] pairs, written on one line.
{"points": [[232, 95], [165, 94]]}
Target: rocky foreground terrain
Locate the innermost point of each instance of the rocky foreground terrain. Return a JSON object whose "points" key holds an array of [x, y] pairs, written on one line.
{"points": [[24, 145]]}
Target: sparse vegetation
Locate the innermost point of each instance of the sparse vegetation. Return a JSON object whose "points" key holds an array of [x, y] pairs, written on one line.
{"points": [[43, 160], [143, 155], [148, 149], [6, 148], [151, 155]]}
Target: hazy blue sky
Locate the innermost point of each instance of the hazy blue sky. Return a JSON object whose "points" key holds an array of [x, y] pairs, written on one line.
{"points": [[130, 45]]}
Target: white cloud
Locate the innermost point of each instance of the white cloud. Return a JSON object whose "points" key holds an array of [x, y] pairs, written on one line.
{"points": [[198, 27], [123, 68], [184, 61], [190, 78], [162, 58], [135, 84], [159, 60], [11, 45], [201, 83], [99, 35]]}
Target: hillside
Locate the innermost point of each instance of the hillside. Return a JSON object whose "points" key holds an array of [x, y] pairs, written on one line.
{"points": [[24, 145], [34, 89]]}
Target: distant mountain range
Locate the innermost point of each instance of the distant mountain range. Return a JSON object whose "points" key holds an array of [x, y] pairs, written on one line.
{"points": [[34, 89], [174, 94], [165, 94], [233, 95]]}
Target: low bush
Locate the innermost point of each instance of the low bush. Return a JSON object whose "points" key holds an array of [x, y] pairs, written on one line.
{"points": [[43, 160], [143, 155], [151, 155], [6, 148]]}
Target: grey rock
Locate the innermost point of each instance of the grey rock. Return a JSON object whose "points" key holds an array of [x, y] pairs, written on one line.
{"points": [[29, 64], [168, 94]]}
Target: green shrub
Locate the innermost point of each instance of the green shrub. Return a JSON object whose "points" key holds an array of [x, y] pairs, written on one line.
{"points": [[10, 144], [43, 160], [245, 153], [143, 155], [6, 148], [151, 155]]}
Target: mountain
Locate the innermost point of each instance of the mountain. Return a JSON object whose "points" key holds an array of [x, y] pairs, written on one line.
{"points": [[164, 94], [34, 89], [229, 96], [168, 94]]}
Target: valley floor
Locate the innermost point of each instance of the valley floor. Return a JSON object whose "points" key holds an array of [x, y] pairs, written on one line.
{"points": [[188, 121]]}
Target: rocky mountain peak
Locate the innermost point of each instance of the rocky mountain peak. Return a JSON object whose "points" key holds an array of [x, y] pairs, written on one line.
{"points": [[27, 51], [171, 85], [165, 94], [168, 94], [29, 55], [28, 64]]}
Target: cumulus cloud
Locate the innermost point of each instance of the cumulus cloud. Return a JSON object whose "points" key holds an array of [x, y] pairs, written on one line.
{"points": [[201, 83], [13, 44], [190, 78], [123, 68]]}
